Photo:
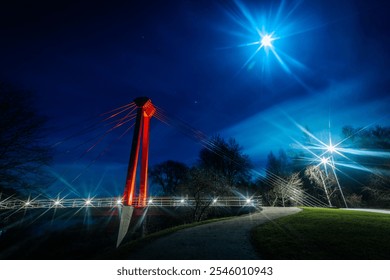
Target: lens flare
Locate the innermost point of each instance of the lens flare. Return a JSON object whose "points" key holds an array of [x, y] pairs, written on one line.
{"points": [[266, 40]]}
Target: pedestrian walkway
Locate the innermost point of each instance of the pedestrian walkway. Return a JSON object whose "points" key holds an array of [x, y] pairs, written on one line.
{"points": [[227, 239], [383, 211]]}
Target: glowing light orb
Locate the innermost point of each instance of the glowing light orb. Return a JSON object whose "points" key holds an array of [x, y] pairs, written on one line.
{"points": [[88, 202], [324, 160], [248, 200], [27, 203], [266, 40], [57, 202], [331, 148], [150, 201], [214, 200], [119, 201], [182, 201]]}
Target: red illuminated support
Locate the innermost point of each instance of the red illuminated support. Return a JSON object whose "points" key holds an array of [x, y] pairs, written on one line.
{"points": [[142, 126]]}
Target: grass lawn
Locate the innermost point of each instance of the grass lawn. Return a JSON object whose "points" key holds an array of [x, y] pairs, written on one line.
{"points": [[317, 233]]}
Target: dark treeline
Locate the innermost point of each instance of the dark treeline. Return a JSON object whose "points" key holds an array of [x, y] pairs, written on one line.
{"points": [[361, 164], [360, 177], [222, 170], [23, 154]]}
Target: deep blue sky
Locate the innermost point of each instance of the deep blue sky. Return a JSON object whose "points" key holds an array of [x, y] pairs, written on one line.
{"points": [[83, 58]]}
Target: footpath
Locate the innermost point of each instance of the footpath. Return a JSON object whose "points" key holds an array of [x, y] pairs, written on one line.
{"points": [[227, 239]]}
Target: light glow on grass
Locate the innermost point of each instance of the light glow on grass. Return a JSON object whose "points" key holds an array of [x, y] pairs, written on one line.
{"points": [[325, 234]]}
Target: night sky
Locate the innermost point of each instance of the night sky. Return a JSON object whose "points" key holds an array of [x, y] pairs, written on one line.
{"points": [[196, 60]]}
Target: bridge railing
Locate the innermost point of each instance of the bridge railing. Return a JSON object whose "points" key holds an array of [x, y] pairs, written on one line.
{"points": [[110, 202]]}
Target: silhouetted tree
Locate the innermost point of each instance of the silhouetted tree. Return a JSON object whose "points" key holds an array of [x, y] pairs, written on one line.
{"points": [[287, 191], [279, 181], [371, 146], [227, 159], [169, 175], [377, 191], [325, 183], [23, 155], [377, 137], [204, 185], [278, 166]]}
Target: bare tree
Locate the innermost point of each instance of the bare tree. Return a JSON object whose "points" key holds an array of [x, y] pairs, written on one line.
{"points": [[280, 181], [325, 183], [377, 137], [204, 186], [286, 192], [169, 175], [23, 155], [227, 159], [354, 200], [378, 190]]}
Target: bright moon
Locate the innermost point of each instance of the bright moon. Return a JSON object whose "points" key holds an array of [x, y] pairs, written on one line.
{"points": [[266, 40]]}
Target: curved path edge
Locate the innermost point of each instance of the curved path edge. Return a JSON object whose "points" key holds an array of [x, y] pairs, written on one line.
{"points": [[227, 239]]}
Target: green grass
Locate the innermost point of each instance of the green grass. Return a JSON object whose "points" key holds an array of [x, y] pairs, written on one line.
{"points": [[317, 233]]}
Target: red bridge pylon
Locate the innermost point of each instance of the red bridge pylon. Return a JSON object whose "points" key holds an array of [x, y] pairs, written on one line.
{"points": [[140, 140], [142, 126]]}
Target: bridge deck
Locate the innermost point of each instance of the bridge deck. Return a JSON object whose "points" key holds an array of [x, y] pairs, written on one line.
{"points": [[110, 202]]}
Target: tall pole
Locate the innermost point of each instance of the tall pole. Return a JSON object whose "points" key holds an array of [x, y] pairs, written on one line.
{"points": [[338, 183]]}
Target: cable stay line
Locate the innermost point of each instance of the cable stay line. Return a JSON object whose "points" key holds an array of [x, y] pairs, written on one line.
{"points": [[201, 138]]}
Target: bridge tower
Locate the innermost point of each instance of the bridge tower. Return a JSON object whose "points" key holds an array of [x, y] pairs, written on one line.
{"points": [[140, 141], [141, 134]]}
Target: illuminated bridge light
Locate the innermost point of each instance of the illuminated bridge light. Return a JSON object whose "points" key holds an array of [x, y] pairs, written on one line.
{"points": [[266, 40], [109, 202], [331, 149], [324, 160]]}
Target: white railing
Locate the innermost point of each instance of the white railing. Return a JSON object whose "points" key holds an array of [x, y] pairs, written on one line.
{"points": [[110, 202]]}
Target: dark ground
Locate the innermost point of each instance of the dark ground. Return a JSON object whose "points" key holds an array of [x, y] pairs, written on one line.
{"points": [[226, 239], [79, 234]]}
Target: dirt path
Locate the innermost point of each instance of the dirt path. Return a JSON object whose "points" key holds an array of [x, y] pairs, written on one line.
{"points": [[228, 239]]}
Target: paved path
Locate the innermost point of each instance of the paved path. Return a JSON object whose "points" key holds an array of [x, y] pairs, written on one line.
{"points": [[383, 211], [228, 239]]}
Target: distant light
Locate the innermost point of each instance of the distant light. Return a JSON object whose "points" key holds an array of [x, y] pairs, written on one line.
{"points": [[57, 202], [119, 201], [248, 200], [324, 160], [266, 40], [331, 148], [27, 203], [150, 201], [182, 201], [214, 200], [88, 202]]}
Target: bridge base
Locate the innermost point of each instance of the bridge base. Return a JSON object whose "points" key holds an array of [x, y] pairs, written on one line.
{"points": [[127, 213]]}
